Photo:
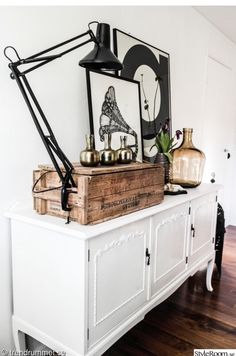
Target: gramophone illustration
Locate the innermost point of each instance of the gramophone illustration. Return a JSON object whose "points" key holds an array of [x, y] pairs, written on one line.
{"points": [[112, 121]]}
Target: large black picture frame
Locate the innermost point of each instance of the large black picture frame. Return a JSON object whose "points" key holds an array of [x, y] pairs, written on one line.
{"points": [[151, 67], [114, 107]]}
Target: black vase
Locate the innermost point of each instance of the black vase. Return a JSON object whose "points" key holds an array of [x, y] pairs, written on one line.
{"points": [[164, 162]]}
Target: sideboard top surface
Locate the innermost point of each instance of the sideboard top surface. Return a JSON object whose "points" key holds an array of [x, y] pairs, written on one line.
{"points": [[24, 212]]}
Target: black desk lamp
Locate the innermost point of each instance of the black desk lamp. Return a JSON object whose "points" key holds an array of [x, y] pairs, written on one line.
{"points": [[100, 58]]}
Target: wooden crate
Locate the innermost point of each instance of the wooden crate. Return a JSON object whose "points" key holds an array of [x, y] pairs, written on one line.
{"points": [[102, 193]]}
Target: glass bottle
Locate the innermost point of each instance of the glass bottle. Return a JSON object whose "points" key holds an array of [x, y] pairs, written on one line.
{"points": [[89, 157], [188, 163], [124, 154], [107, 155]]}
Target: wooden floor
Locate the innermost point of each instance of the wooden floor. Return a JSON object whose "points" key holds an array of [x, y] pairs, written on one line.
{"points": [[191, 317]]}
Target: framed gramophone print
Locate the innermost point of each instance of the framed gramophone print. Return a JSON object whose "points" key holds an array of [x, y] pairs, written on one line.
{"points": [[114, 107], [151, 67]]}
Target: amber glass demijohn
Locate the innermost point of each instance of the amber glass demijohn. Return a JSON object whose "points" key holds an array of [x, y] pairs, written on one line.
{"points": [[188, 163]]}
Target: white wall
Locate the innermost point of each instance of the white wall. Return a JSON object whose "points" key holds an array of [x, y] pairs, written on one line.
{"points": [[61, 87]]}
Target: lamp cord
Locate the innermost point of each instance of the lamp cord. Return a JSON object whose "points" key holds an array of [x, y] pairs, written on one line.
{"points": [[43, 190], [90, 23], [16, 53]]}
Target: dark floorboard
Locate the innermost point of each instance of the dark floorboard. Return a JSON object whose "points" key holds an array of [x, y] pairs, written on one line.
{"points": [[191, 318]]}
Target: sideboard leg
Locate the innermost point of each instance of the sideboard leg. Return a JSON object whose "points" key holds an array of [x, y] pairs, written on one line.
{"points": [[210, 268], [19, 340]]}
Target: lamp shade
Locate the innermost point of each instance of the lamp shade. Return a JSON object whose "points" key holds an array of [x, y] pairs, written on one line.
{"points": [[101, 57]]}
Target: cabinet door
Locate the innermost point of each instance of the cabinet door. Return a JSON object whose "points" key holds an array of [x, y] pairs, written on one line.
{"points": [[169, 240], [203, 219], [117, 277]]}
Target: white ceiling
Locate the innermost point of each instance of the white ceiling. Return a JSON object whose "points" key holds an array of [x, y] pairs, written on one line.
{"points": [[223, 17]]}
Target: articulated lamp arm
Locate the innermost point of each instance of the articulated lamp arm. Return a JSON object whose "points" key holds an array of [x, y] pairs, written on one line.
{"points": [[99, 58]]}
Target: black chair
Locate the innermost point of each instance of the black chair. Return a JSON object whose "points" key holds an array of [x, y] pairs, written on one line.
{"points": [[219, 239]]}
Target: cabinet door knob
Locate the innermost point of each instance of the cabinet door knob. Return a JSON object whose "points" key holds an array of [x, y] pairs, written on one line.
{"points": [[213, 175], [193, 230], [228, 153]]}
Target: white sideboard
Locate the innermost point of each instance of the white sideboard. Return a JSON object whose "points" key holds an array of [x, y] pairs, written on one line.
{"points": [[79, 288]]}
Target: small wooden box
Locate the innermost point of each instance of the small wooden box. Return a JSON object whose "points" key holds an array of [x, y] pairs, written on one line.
{"points": [[102, 193]]}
